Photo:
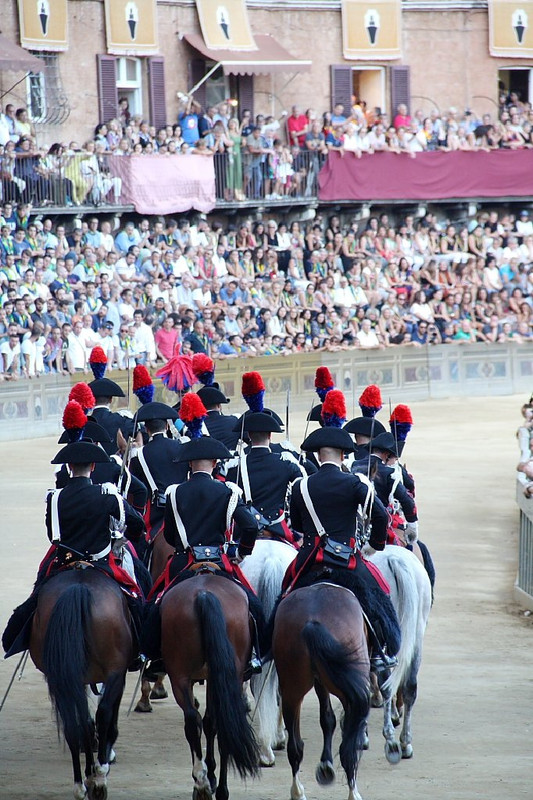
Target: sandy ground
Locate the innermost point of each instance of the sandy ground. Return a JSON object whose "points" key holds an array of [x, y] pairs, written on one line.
{"points": [[474, 716]]}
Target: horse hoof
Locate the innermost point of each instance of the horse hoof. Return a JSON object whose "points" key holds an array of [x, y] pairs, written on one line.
{"points": [[325, 774], [366, 742], [112, 757], [203, 793], [279, 745], [158, 693], [407, 751], [79, 791], [393, 752], [143, 707], [267, 758], [376, 701]]}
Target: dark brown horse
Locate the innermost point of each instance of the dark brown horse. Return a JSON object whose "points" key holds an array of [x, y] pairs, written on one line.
{"points": [[81, 635], [320, 640], [206, 635]]}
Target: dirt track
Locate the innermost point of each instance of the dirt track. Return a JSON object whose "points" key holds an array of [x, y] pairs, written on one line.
{"points": [[474, 716]]}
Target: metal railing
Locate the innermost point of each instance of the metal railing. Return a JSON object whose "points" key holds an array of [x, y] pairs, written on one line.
{"points": [[524, 578], [74, 179]]}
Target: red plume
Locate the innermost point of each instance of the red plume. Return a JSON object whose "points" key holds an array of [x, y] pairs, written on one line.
{"points": [[97, 356], [202, 363], [82, 393], [323, 379], [192, 408], [334, 405], [252, 383], [141, 377], [402, 414], [74, 416], [371, 397]]}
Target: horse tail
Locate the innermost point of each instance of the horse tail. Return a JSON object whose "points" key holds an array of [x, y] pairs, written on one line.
{"points": [[338, 663], [66, 660], [269, 583], [407, 611], [226, 701], [265, 685]]}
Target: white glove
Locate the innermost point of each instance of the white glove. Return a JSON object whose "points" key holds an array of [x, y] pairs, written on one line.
{"points": [[367, 550], [411, 532]]}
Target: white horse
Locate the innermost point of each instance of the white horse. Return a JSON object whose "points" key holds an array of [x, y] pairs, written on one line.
{"points": [[411, 597], [265, 569]]}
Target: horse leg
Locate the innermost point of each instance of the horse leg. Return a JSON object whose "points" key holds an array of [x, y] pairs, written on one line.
{"points": [[210, 760], [325, 772], [193, 733], [158, 691], [144, 706], [409, 694], [265, 688], [295, 745], [222, 792], [392, 748], [79, 791]]}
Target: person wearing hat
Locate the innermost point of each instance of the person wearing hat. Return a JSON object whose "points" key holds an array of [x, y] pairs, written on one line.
{"points": [[110, 471], [156, 464], [366, 426], [264, 476], [199, 514], [79, 521], [220, 426], [104, 390], [324, 507]]}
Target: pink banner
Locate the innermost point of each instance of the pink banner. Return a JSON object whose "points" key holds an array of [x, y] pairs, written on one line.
{"points": [[165, 184], [428, 176]]}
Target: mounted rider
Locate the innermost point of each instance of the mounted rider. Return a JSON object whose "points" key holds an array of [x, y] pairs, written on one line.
{"points": [[324, 507], [80, 520]]}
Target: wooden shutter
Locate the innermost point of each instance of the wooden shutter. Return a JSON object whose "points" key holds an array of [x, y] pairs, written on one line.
{"points": [[107, 87], [400, 89], [156, 91], [197, 70], [245, 94], [341, 87]]}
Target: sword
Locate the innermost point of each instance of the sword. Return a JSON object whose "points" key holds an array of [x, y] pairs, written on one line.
{"points": [[287, 410], [128, 363], [10, 684], [306, 428], [139, 679], [267, 676], [395, 431]]}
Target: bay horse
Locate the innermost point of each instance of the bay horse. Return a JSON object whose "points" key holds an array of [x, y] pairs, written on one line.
{"points": [[206, 635], [80, 636], [319, 641], [264, 569], [411, 598]]}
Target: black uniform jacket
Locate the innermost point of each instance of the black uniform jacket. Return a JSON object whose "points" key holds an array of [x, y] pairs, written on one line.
{"points": [[84, 513], [383, 483], [160, 454], [112, 422], [269, 476], [110, 473], [220, 427], [336, 497], [202, 503]]}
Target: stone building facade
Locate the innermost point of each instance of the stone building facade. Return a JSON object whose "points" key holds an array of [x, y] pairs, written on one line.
{"points": [[445, 61]]}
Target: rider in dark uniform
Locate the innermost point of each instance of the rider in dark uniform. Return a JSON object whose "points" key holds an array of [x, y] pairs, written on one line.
{"points": [[104, 390], [324, 507], [220, 426], [156, 463], [265, 476], [364, 430], [79, 522]]}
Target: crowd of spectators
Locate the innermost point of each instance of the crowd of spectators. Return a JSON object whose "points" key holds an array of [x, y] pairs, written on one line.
{"points": [[255, 158], [258, 288]]}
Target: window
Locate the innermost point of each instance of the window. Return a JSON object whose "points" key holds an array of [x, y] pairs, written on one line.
{"points": [[217, 86], [129, 82], [46, 99]]}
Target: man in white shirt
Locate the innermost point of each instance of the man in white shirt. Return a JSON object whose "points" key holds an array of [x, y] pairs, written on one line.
{"points": [[32, 351], [10, 355], [76, 354], [143, 340], [524, 226], [366, 337], [219, 262], [184, 292]]}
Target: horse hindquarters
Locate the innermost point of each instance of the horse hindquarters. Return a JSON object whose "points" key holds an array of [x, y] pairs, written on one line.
{"points": [[226, 703]]}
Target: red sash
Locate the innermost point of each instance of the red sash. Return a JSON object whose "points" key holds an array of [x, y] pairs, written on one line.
{"points": [[165, 582]]}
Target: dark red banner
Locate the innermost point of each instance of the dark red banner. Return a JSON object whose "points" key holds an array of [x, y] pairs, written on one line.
{"points": [[428, 176]]}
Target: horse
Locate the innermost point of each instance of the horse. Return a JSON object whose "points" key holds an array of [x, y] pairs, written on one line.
{"points": [[206, 634], [411, 598], [160, 552], [320, 640], [264, 569], [81, 635]]}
